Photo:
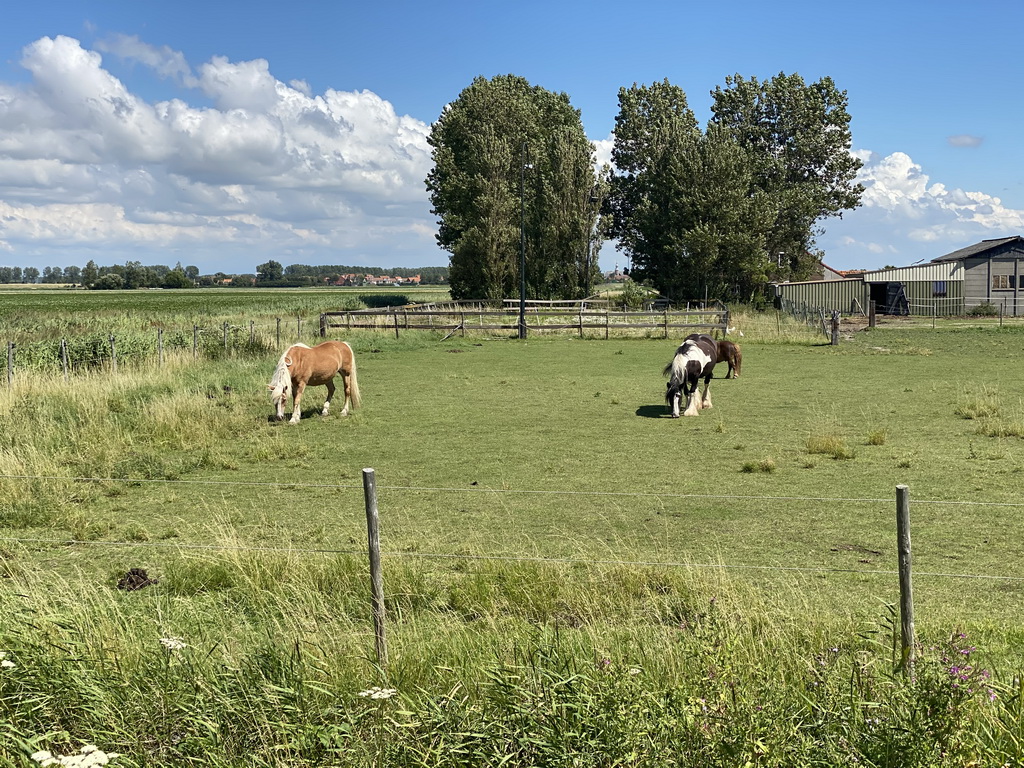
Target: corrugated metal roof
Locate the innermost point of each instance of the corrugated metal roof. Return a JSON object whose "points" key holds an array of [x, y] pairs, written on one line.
{"points": [[946, 270], [974, 250]]}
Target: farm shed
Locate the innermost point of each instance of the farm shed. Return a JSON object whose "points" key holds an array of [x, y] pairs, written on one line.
{"points": [[992, 272], [846, 295], [922, 289]]}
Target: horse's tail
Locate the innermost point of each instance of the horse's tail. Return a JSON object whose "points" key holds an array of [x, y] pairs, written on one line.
{"points": [[353, 379], [281, 381]]}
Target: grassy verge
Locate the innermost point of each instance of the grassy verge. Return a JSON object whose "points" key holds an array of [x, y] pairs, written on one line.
{"points": [[572, 578]]}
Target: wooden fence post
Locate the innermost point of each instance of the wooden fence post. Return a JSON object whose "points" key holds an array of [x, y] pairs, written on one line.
{"points": [[396, 324], [906, 586], [64, 357], [160, 346], [835, 327], [10, 362], [323, 325], [871, 314], [279, 333], [376, 577], [252, 332], [113, 355], [195, 341]]}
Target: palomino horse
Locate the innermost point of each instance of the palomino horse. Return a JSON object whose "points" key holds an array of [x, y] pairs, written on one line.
{"points": [[729, 352], [694, 360], [301, 365]]}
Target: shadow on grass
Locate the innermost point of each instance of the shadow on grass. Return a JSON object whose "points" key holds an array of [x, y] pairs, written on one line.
{"points": [[653, 412]]}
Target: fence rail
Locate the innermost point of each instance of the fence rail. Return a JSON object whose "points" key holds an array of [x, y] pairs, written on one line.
{"points": [[539, 318]]}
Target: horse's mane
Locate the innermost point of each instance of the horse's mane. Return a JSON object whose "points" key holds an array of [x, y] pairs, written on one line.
{"points": [[281, 381]]}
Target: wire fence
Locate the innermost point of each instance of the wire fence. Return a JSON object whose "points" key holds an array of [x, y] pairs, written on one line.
{"points": [[500, 557]]}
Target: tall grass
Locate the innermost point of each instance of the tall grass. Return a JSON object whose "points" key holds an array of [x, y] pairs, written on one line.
{"points": [[234, 661], [142, 422]]}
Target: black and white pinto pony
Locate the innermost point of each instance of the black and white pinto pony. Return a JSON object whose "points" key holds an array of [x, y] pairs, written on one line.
{"points": [[694, 360]]}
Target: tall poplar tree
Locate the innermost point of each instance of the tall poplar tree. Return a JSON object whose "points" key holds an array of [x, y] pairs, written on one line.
{"points": [[513, 170], [799, 139]]}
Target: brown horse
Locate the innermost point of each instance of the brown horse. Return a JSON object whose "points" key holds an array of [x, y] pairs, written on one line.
{"points": [[301, 365], [729, 352]]}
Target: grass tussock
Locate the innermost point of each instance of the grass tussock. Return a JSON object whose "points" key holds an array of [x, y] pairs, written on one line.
{"points": [[877, 437], [829, 444], [983, 404], [766, 465]]}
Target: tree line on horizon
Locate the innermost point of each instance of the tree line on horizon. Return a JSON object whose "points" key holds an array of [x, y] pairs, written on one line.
{"points": [[698, 212], [133, 274]]}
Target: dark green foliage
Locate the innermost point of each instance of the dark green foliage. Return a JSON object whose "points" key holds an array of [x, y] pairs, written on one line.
{"points": [[511, 157], [719, 212], [374, 300]]}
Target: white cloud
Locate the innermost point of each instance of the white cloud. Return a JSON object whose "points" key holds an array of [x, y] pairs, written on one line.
{"points": [[269, 168], [905, 217]]}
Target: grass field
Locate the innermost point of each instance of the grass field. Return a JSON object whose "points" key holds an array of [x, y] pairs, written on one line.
{"points": [[528, 493]]}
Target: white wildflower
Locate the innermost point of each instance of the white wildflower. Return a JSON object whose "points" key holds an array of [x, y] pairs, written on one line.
{"points": [[88, 756], [7, 664], [173, 643], [635, 671], [378, 693]]}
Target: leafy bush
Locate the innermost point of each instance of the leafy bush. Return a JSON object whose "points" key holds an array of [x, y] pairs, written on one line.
{"points": [[375, 300], [985, 309]]}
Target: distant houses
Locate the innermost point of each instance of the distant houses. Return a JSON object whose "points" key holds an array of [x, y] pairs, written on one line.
{"points": [[367, 280]]}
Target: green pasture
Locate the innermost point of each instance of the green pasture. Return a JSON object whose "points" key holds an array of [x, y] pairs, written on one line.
{"points": [[561, 448], [539, 512]]}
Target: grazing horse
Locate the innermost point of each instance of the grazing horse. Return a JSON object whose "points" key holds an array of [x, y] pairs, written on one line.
{"points": [[694, 360], [729, 352], [301, 365]]}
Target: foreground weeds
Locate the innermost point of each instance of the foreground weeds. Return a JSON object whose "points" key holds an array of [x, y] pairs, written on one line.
{"points": [[673, 670]]}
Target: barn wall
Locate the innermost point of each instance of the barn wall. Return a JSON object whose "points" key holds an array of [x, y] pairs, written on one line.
{"points": [[923, 301], [827, 294]]}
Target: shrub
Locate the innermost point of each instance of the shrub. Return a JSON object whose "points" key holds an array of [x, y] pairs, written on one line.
{"points": [[985, 309]]}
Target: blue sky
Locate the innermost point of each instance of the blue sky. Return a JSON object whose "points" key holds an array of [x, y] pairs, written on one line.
{"points": [[224, 133]]}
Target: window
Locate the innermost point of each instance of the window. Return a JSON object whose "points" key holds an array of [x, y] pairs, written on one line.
{"points": [[939, 289], [1001, 281]]}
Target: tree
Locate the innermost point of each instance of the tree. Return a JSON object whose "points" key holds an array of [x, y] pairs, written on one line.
{"points": [[108, 282], [268, 271], [513, 170], [30, 274], [72, 274], [176, 278], [90, 273], [192, 272], [799, 139]]}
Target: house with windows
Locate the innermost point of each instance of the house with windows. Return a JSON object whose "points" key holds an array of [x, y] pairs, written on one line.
{"points": [[992, 271], [989, 272]]}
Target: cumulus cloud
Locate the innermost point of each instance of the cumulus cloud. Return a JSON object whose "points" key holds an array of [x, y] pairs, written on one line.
{"points": [[906, 217], [261, 168]]}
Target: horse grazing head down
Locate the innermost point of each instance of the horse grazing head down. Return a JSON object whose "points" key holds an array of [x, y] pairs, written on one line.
{"points": [[694, 360], [301, 366]]}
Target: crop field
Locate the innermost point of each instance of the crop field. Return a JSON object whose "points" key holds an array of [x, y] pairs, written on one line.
{"points": [[541, 518]]}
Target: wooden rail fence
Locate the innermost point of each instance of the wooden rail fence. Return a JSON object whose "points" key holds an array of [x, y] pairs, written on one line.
{"points": [[541, 319]]}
